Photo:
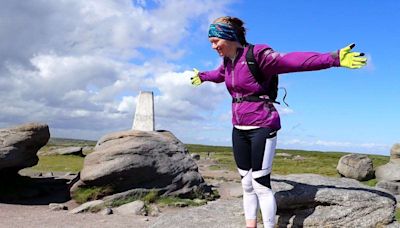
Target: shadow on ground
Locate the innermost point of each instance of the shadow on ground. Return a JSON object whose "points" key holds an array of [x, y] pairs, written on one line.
{"points": [[26, 190]]}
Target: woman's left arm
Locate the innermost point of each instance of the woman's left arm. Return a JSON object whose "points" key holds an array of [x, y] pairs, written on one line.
{"points": [[272, 62]]}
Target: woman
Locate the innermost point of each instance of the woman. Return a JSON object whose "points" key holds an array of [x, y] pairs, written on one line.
{"points": [[254, 117]]}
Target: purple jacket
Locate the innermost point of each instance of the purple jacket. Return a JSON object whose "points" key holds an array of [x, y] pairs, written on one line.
{"points": [[240, 82]]}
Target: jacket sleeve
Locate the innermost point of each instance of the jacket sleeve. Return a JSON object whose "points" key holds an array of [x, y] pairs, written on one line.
{"points": [[272, 62], [217, 75]]}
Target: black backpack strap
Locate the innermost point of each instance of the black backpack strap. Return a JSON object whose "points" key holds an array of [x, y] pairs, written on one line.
{"points": [[257, 74], [252, 64]]}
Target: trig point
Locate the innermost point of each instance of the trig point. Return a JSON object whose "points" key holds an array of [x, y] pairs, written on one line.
{"points": [[144, 115]]}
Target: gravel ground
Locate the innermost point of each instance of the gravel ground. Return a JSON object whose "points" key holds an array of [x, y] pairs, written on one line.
{"points": [[217, 214], [226, 212], [15, 216]]}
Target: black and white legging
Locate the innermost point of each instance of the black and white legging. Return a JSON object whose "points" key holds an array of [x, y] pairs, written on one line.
{"points": [[254, 151]]}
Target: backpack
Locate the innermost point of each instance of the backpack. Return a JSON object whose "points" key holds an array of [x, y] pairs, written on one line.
{"points": [[272, 91]]}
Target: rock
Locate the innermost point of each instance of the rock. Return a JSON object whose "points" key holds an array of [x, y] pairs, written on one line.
{"points": [[181, 204], [310, 200], [304, 200], [47, 174], [390, 171], [356, 166], [19, 145], [154, 210], [391, 186], [141, 160], [298, 158], [132, 208], [395, 154], [283, 155], [195, 156], [91, 206], [107, 211], [71, 150], [57, 207], [87, 150]]}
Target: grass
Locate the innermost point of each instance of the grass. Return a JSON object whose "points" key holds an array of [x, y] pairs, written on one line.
{"points": [[59, 163], [61, 142], [83, 195], [317, 162], [397, 214], [323, 163]]}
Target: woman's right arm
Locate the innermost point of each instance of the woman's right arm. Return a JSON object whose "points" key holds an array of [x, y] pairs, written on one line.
{"points": [[217, 75]]}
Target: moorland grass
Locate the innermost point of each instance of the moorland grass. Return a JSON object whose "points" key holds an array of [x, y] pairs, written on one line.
{"points": [[58, 163], [85, 194], [323, 163], [317, 162]]}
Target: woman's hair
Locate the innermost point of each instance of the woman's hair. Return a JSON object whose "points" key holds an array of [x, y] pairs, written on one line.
{"points": [[237, 24]]}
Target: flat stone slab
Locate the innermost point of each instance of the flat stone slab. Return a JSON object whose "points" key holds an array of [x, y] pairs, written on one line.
{"points": [[304, 200]]}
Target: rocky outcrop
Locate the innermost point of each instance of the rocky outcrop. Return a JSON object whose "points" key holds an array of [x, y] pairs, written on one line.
{"points": [[310, 200], [69, 150], [303, 200], [141, 160], [392, 186], [356, 166], [390, 171], [19, 145], [388, 175]]}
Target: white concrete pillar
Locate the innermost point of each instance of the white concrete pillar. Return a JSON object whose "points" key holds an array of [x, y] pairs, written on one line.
{"points": [[144, 115]]}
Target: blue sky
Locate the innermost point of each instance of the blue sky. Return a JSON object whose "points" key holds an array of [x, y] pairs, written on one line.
{"points": [[80, 65], [342, 108]]}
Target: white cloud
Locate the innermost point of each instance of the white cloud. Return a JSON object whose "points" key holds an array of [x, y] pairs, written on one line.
{"points": [[79, 65], [127, 104], [182, 100]]}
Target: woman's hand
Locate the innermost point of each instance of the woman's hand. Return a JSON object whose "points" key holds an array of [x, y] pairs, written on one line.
{"points": [[196, 81], [351, 59]]}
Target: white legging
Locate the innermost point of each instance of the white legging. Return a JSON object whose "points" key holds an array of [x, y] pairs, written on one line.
{"points": [[256, 195], [254, 152]]}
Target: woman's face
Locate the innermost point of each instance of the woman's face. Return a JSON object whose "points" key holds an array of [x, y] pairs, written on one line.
{"points": [[225, 48]]}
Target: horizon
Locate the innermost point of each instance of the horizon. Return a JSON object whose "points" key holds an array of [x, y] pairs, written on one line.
{"points": [[302, 150], [79, 67]]}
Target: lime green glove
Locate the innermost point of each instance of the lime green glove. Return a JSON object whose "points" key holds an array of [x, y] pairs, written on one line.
{"points": [[351, 59], [196, 81]]}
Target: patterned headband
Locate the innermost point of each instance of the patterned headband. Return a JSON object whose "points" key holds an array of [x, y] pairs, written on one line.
{"points": [[223, 31]]}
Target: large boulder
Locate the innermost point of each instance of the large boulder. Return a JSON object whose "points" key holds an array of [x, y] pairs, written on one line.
{"points": [[148, 160], [395, 154], [388, 175], [356, 166], [390, 171], [19, 145]]}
